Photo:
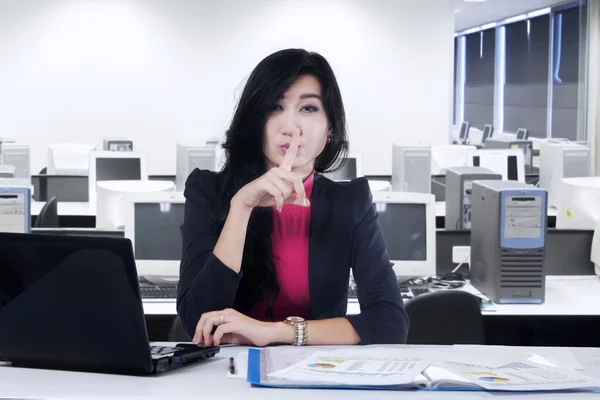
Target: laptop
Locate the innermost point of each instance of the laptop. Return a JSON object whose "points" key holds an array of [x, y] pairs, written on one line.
{"points": [[73, 303]]}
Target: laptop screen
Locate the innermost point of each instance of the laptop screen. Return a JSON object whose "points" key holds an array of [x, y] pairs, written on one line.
{"points": [[27, 258]]}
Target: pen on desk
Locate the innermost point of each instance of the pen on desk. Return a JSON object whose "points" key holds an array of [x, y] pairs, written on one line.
{"points": [[231, 365]]}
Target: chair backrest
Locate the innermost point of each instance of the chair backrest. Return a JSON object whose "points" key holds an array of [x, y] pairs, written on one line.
{"points": [[48, 217], [176, 333], [445, 317]]}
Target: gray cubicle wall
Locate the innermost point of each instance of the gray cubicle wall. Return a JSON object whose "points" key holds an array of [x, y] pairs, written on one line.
{"points": [[567, 251]]}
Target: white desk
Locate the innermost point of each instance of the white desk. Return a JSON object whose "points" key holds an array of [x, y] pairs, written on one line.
{"points": [[440, 210], [206, 380], [380, 186], [565, 295], [66, 208]]}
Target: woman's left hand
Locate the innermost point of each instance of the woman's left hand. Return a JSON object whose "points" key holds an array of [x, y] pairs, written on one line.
{"points": [[233, 327]]}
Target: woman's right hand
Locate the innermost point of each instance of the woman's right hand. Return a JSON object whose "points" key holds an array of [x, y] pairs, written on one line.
{"points": [[277, 186]]}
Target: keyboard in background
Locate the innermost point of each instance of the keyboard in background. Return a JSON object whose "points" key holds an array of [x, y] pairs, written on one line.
{"points": [[152, 292], [407, 291]]}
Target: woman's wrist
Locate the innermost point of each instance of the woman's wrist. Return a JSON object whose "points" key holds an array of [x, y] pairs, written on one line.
{"points": [[238, 204], [282, 333]]}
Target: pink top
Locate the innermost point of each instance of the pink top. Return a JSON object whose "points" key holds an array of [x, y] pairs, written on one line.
{"points": [[291, 231]]}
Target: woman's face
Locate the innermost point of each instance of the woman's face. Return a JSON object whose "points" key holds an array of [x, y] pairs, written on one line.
{"points": [[298, 111]]}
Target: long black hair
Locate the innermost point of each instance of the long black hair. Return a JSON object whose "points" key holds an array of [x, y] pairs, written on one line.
{"points": [[245, 159]]}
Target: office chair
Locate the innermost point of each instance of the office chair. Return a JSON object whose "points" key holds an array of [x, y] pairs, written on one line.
{"points": [[445, 317], [48, 217], [176, 333]]}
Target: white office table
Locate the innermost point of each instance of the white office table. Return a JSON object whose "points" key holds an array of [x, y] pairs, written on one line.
{"points": [[83, 209], [379, 186], [440, 209], [66, 208], [565, 295], [206, 380]]}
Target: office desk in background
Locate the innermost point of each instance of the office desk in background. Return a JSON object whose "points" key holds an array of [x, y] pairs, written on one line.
{"points": [[565, 296], [208, 380], [66, 208], [570, 316]]}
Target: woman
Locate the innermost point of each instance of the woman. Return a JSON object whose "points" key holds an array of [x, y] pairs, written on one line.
{"points": [[269, 238]]}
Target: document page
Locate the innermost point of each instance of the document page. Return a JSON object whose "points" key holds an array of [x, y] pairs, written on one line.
{"points": [[354, 369], [522, 375]]}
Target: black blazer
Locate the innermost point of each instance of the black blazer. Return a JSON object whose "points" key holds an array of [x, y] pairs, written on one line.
{"points": [[344, 234]]}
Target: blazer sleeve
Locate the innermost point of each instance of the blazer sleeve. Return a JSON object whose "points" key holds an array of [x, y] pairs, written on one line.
{"points": [[205, 283], [382, 319]]}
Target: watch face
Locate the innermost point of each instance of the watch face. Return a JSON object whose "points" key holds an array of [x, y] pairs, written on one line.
{"points": [[295, 320]]}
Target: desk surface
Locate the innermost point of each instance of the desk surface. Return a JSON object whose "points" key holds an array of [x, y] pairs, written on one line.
{"points": [[565, 295], [66, 208], [207, 380]]}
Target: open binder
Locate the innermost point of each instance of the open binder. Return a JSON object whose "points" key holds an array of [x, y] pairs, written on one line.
{"points": [[268, 368]]}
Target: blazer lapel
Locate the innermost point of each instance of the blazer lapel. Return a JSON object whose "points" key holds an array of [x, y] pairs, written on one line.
{"points": [[316, 251]]}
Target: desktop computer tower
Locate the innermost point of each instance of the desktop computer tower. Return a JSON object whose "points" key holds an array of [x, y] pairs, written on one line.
{"points": [[192, 157], [411, 169], [508, 240], [503, 142], [17, 155], [459, 186], [15, 209]]}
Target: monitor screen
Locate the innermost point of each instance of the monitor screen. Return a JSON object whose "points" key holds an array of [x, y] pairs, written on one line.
{"points": [[487, 132], [346, 173], [464, 129], [404, 228], [118, 169], [157, 234], [67, 188]]}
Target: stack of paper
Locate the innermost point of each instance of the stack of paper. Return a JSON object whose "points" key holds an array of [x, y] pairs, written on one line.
{"points": [[412, 368]]}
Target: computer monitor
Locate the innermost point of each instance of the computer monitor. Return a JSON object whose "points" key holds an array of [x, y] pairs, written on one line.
{"points": [[407, 221], [560, 159], [69, 158], [115, 166], [71, 188], [464, 132], [190, 157], [411, 168], [352, 169], [579, 204], [110, 209], [595, 253], [488, 132], [522, 134], [445, 156], [7, 171], [152, 222], [116, 144], [507, 162], [507, 142], [17, 155]]}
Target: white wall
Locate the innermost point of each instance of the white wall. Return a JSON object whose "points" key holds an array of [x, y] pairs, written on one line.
{"points": [[162, 71]]}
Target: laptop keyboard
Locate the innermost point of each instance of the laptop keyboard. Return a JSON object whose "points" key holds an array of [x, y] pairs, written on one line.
{"points": [[158, 292]]}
